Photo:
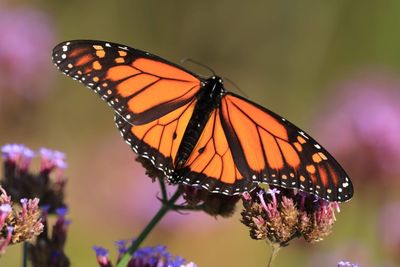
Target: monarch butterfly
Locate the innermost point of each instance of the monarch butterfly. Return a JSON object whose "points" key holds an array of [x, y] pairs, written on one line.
{"points": [[194, 130]]}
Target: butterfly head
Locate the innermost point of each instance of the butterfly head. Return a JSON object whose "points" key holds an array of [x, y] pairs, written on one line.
{"points": [[215, 86]]}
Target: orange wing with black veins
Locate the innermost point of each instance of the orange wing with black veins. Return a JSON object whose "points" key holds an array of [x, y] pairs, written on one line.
{"points": [[211, 163], [153, 99], [267, 148], [141, 87]]}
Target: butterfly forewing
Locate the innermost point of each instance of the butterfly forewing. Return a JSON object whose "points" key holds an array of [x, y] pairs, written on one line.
{"points": [[140, 87], [144, 90]]}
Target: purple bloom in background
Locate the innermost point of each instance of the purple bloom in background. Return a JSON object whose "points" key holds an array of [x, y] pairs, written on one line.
{"points": [[48, 249], [27, 37], [22, 183], [157, 256], [346, 264], [102, 256], [52, 160], [18, 154], [5, 210], [362, 126]]}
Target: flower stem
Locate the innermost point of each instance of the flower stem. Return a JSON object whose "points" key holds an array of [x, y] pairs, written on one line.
{"points": [[25, 254], [166, 206], [275, 249]]}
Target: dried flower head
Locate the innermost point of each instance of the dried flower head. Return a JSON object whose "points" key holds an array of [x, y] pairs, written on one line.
{"points": [[211, 203], [18, 224], [48, 249], [143, 257], [280, 215], [47, 185]]}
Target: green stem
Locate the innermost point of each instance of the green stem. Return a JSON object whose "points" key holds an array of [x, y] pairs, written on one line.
{"points": [[166, 206], [25, 254], [163, 189], [275, 249]]}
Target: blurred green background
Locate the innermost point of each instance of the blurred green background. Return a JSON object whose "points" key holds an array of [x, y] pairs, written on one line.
{"points": [[306, 60]]}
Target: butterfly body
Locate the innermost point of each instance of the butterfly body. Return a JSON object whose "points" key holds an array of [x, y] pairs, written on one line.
{"points": [[194, 130], [208, 99]]}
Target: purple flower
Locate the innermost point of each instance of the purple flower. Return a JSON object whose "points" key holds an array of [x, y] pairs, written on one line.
{"points": [[121, 245], [346, 264], [102, 256], [362, 126], [6, 241], [22, 183], [48, 249], [18, 154], [26, 38], [52, 159], [61, 212], [5, 210], [157, 256]]}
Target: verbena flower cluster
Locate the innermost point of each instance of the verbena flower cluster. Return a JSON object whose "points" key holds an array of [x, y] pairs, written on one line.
{"points": [[18, 223], [277, 215], [47, 184], [280, 215], [48, 249], [143, 257]]}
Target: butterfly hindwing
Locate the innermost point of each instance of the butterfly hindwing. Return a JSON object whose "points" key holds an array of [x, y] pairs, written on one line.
{"points": [[141, 87], [269, 149], [158, 141], [211, 164]]}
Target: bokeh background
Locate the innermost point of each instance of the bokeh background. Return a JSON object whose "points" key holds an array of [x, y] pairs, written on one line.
{"points": [[331, 67]]}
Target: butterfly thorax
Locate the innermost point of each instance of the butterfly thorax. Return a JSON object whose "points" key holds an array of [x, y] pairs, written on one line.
{"points": [[208, 99]]}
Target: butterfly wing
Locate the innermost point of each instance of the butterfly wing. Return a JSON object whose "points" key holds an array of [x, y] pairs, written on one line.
{"points": [[153, 98], [158, 141], [211, 164], [267, 148], [141, 87]]}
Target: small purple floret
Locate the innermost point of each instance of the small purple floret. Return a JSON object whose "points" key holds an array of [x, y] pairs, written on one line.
{"points": [[5, 208], [52, 159], [10, 230], [121, 244], [100, 251], [61, 212], [24, 201], [346, 264], [18, 154]]}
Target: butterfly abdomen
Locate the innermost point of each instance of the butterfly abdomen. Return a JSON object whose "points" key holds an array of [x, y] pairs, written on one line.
{"points": [[209, 98]]}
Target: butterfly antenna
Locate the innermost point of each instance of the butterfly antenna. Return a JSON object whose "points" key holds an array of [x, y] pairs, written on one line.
{"points": [[198, 63], [236, 86]]}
